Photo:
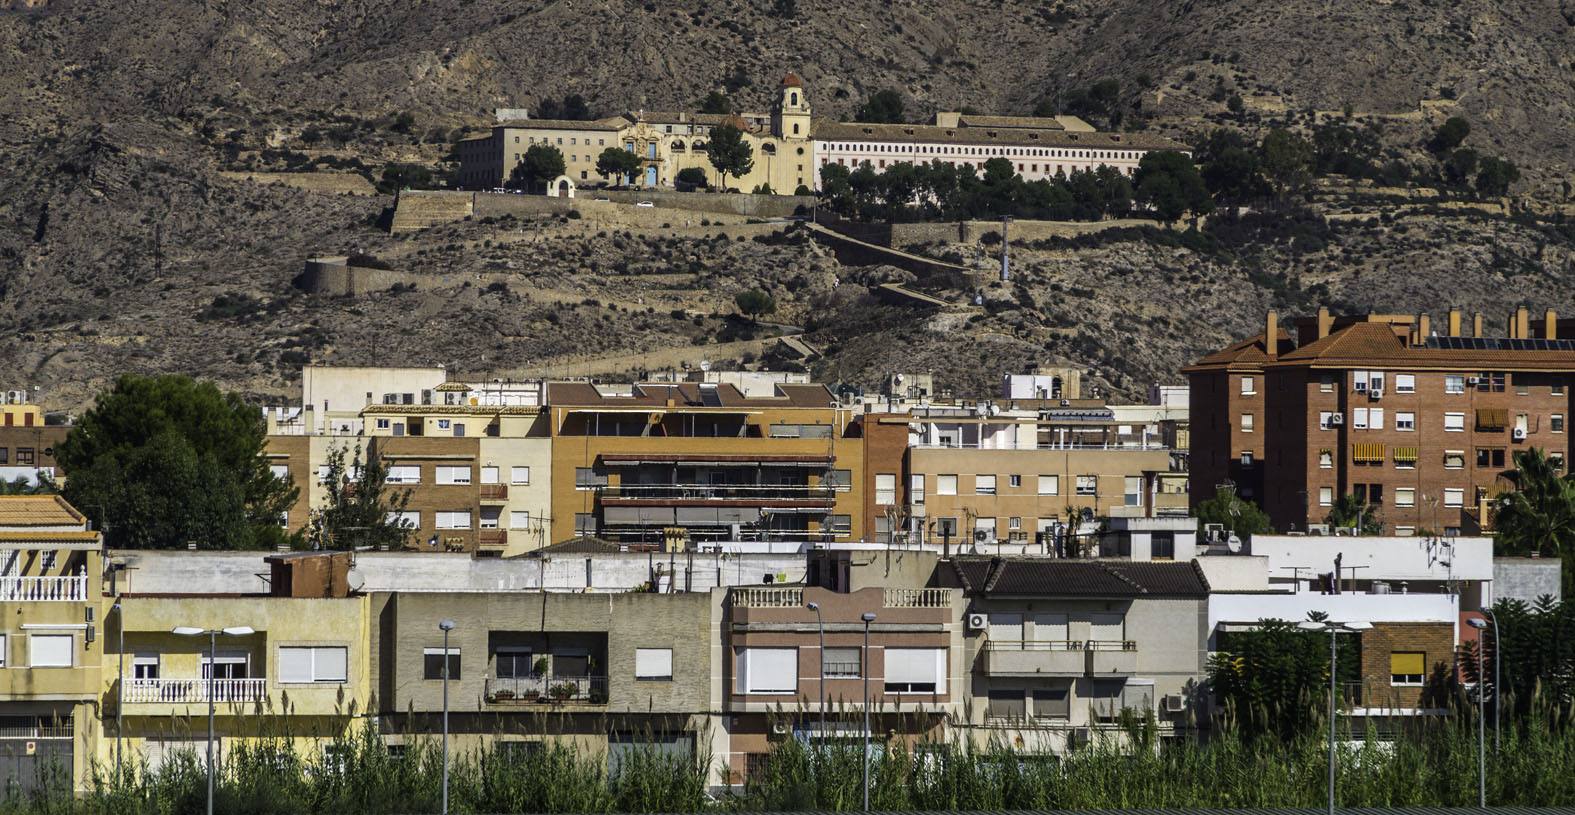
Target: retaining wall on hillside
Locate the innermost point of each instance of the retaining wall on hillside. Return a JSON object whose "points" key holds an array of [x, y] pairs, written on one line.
{"points": [[972, 231], [729, 203], [419, 209]]}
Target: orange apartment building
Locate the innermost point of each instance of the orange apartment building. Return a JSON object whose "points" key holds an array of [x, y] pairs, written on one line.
{"points": [[633, 463], [1417, 424], [1226, 406]]}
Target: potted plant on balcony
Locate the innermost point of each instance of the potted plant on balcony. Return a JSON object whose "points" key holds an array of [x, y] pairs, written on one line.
{"points": [[561, 692]]}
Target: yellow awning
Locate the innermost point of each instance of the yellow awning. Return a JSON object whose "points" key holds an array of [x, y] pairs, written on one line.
{"points": [[1406, 455], [1368, 452], [1492, 418], [1409, 663]]}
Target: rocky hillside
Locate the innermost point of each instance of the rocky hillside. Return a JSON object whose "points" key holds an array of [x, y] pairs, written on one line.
{"points": [[128, 244]]}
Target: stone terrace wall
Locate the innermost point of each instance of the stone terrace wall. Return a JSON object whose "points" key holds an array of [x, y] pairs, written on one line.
{"points": [[419, 209]]}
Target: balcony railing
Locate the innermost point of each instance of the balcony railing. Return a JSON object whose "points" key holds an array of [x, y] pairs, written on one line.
{"points": [[183, 691], [768, 598], [547, 690], [43, 589], [492, 538], [918, 598], [494, 492], [1070, 445], [1034, 645], [721, 492], [1111, 645]]}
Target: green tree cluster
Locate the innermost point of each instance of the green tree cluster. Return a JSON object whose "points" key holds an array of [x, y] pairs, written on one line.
{"points": [[399, 176], [716, 102], [754, 303], [358, 508], [1274, 680], [692, 176], [537, 168], [729, 153], [618, 165], [573, 108], [882, 107], [939, 190], [160, 462], [1537, 515], [1233, 513], [1351, 512]]}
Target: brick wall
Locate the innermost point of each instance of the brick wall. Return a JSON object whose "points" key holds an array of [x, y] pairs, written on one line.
{"points": [[1436, 641]]}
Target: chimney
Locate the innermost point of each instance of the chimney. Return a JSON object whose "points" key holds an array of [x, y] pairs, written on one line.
{"points": [[1454, 322], [1271, 335], [1522, 322], [1424, 327], [1550, 325], [1325, 322], [1476, 324]]}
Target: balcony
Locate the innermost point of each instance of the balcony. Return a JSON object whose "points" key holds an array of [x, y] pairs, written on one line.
{"points": [[767, 598], [918, 598], [194, 690], [1111, 657], [559, 690], [492, 540], [1049, 658], [43, 589], [748, 494], [494, 493]]}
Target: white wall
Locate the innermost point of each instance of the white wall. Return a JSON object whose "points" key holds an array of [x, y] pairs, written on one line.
{"points": [[1249, 608], [1384, 558]]}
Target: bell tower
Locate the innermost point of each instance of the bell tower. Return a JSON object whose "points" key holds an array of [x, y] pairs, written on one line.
{"points": [[790, 119]]}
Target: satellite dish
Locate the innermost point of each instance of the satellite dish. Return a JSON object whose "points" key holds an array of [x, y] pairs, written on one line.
{"points": [[897, 378], [356, 579], [1233, 544], [705, 364]]}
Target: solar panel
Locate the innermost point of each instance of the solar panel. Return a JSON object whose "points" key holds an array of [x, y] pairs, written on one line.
{"points": [[1498, 344]]}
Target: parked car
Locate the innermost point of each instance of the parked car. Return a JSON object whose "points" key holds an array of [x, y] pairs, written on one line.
{"points": [[645, 204]]}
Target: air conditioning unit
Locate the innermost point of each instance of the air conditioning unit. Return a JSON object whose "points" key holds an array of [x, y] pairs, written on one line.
{"points": [[1473, 380], [781, 727], [1175, 703], [1336, 419], [978, 622], [1519, 434], [1079, 737], [1375, 393]]}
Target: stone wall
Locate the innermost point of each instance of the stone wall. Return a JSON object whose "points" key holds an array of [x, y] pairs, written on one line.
{"points": [[754, 206], [1526, 578], [333, 277], [419, 209], [903, 235]]}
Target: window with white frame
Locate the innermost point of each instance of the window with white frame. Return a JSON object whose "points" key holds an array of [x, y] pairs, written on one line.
{"points": [[489, 475], [280, 471], [1405, 420], [1326, 459], [653, 664], [984, 485], [1359, 419], [1014, 522], [407, 519], [489, 518], [1014, 480], [1375, 419], [316, 663], [403, 474], [1454, 383], [946, 485], [1325, 496], [1249, 386], [1132, 491], [1405, 496], [1088, 485], [1405, 383], [916, 670], [5, 651], [1556, 423], [452, 475], [1455, 422], [766, 670], [1454, 459], [1246, 422], [519, 475], [451, 519], [1454, 497], [519, 519], [1049, 485], [841, 663], [51, 650], [916, 488], [885, 489], [1325, 417]]}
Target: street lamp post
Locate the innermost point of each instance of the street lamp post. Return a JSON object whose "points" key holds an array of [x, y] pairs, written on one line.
{"points": [[820, 623], [120, 683], [1481, 625], [445, 626], [868, 617], [1497, 675], [213, 656], [1333, 628]]}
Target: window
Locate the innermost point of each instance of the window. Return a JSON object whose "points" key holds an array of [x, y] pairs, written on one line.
{"points": [[1014, 522], [513, 663], [1326, 459], [280, 471], [314, 664], [916, 670], [766, 670], [840, 524], [1405, 496], [1405, 383], [653, 664], [5, 455], [1162, 546], [1049, 485], [1455, 422], [1246, 422], [1405, 531], [588, 478], [1407, 667], [1014, 481], [51, 650], [841, 663], [519, 519], [1325, 417], [489, 518], [1491, 382], [453, 519], [433, 661], [452, 475], [1454, 383], [1325, 496], [1249, 386], [489, 475], [1556, 423], [409, 519], [1008, 704], [226, 665], [1454, 497], [49, 560], [1490, 457], [24, 456], [1132, 490], [840, 480], [1088, 485], [885, 489], [946, 528], [443, 424], [984, 485], [916, 489], [382, 424], [1326, 383], [1454, 459], [519, 475], [403, 474], [1052, 703], [1359, 419], [145, 666], [946, 485], [1405, 420], [584, 523]]}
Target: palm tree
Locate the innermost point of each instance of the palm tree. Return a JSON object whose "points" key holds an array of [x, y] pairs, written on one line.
{"points": [[22, 486], [1538, 515]]}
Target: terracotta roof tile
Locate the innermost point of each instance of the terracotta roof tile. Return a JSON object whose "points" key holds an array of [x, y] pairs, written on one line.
{"points": [[38, 510]]}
